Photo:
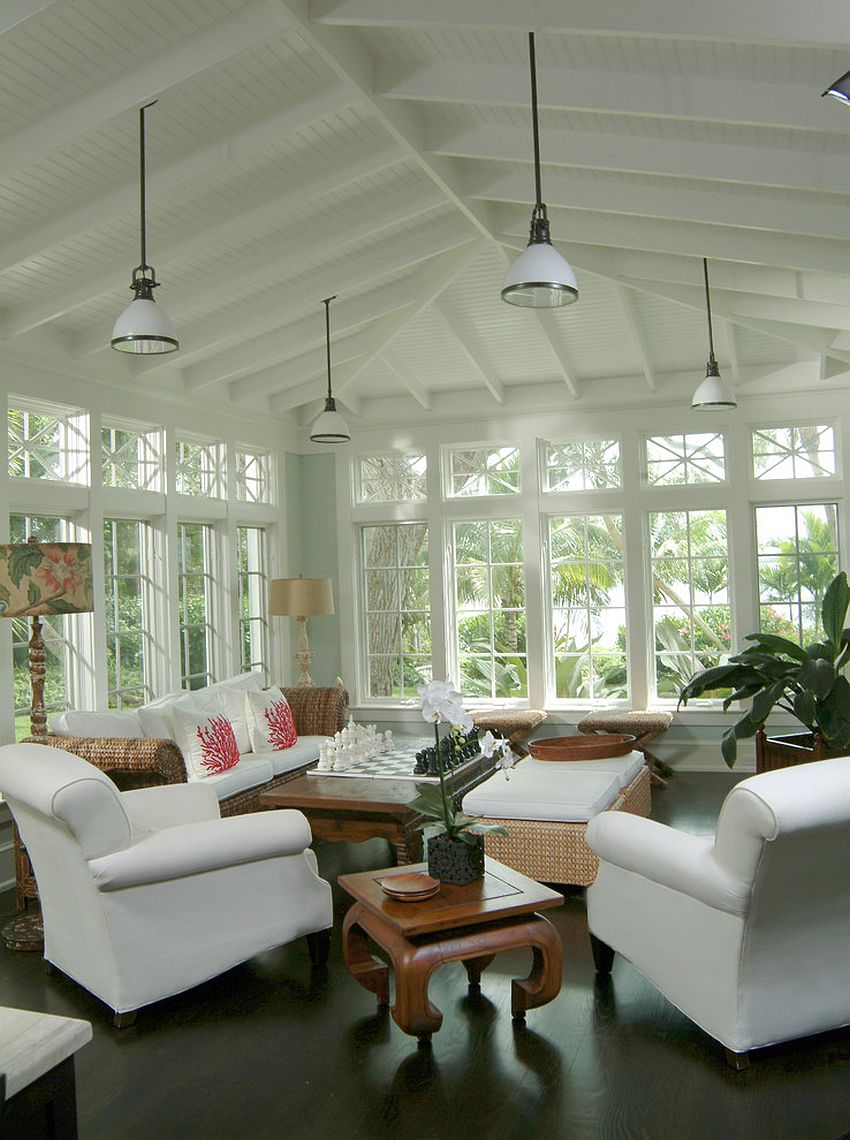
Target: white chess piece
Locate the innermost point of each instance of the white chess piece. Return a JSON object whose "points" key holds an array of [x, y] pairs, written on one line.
{"points": [[388, 741], [323, 757]]}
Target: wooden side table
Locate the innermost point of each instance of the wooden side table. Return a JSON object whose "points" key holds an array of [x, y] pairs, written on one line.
{"points": [[469, 924]]}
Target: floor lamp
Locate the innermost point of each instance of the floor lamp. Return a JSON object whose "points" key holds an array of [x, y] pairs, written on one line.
{"points": [[39, 578], [301, 598]]}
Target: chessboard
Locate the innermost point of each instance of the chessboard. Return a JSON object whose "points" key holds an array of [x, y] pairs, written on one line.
{"points": [[397, 764]]}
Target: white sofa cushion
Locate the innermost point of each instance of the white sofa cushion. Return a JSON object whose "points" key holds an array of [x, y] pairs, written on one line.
{"points": [[122, 725], [304, 751], [231, 694], [248, 773], [155, 716], [625, 768], [271, 724], [206, 738], [538, 793]]}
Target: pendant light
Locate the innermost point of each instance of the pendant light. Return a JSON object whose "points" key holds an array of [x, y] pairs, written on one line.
{"points": [[840, 89], [712, 395], [143, 328], [539, 278], [329, 426]]}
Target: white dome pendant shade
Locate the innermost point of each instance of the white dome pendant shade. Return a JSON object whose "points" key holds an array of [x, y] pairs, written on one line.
{"points": [[143, 328], [539, 278], [329, 426], [712, 395]]}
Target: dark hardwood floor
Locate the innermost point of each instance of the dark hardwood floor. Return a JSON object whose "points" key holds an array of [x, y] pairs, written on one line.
{"points": [[272, 1050]]}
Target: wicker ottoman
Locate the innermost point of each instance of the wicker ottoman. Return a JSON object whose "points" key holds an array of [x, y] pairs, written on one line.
{"points": [[512, 724], [644, 726], [553, 850]]}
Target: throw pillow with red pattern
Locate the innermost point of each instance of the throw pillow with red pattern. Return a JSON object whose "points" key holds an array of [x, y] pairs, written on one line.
{"points": [[206, 739], [271, 724]]}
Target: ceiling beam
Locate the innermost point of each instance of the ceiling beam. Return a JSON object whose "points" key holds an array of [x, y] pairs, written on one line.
{"points": [[461, 337], [732, 345], [165, 69], [408, 377], [822, 23], [638, 335], [16, 13]]}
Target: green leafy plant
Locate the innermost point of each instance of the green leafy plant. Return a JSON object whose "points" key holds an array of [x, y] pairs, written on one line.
{"points": [[773, 672]]}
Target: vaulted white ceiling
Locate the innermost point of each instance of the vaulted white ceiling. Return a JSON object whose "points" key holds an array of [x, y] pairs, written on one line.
{"points": [[381, 150]]}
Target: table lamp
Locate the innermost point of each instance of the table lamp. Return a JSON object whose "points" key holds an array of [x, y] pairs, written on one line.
{"points": [[301, 598], [39, 578]]}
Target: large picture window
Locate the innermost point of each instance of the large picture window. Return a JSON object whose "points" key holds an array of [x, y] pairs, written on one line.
{"points": [[194, 568], [397, 608], [797, 559], [128, 624], [489, 583]]}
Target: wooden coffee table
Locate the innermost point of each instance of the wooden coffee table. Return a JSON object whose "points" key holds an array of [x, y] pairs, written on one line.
{"points": [[469, 924], [353, 809]]}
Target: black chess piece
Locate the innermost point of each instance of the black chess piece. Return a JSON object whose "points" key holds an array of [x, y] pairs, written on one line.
{"points": [[431, 761], [420, 768]]}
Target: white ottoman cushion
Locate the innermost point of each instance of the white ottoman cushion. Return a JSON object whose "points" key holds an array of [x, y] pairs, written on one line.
{"points": [[33, 1043], [625, 768], [538, 793]]}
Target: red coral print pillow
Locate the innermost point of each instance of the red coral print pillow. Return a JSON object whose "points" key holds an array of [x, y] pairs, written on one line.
{"points": [[271, 723], [206, 739]]}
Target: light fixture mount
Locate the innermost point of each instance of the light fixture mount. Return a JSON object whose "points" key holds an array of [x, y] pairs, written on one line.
{"points": [[539, 278], [143, 328], [329, 426], [712, 395]]}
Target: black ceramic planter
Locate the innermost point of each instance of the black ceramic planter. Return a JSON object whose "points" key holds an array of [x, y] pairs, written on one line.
{"points": [[453, 861]]}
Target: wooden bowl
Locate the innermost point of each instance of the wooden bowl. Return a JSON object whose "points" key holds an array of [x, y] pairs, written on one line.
{"points": [[581, 746]]}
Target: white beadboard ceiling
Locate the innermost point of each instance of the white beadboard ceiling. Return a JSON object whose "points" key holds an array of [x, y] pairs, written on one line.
{"points": [[381, 150]]}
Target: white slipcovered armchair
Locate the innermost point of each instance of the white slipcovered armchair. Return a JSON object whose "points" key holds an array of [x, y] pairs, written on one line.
{"points": [[149, 892], [746, 931]]}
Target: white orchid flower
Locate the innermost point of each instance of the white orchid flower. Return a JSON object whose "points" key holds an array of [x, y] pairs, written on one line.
{"points": [[442, 702], [490, 745]]}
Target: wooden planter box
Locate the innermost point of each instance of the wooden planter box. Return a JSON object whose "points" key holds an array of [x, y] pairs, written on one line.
{"points": [[785, 751]]}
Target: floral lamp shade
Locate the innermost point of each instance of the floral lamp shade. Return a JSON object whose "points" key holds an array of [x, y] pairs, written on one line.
{"points": [[45, 578]]}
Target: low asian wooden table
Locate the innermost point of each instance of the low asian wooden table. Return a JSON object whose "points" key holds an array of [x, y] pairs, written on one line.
{"points": [[353, 809], [469, 924]]}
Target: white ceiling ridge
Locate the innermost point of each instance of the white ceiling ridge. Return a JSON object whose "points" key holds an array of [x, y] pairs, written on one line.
{"points": [[642, 94], [204, 160], [166, 69], [819, 24], [746, 163], [362, 222]]}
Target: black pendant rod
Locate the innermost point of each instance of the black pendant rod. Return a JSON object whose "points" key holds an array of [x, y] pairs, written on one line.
{"points": [[142, 228], [534, 124], [708, 312], [327, 304]]}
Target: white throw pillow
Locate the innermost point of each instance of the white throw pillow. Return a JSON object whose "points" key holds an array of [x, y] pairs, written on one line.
{"points": [[119, 725], [231, 694], [155, 716], [206, 739], [270, 721]]}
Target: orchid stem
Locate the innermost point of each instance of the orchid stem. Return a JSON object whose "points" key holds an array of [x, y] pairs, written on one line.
{"points": [[442, 777]]}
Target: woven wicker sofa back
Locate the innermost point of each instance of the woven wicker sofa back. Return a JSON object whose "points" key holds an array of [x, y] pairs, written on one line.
{"points": [[144, 763]]}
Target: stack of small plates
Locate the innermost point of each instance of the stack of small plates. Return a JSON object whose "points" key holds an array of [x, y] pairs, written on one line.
{"points": [[413, 887]]}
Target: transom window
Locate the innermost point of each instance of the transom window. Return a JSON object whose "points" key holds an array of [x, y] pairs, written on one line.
{"points": [[253, 599], [397, 607], [673, 460], [587, 465], [691, 615], [195, 597], [489, 588], [128, 625], [797, 559], [587, 593], [794, 452], [47, 442], [253, 476], [483, 471], [131, 457], [396, 477], [200, 468]]}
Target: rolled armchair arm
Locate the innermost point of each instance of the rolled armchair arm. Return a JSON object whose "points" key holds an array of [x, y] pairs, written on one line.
{"points": [[141, 762], [194, 848], [671, 858], [170, 805]]}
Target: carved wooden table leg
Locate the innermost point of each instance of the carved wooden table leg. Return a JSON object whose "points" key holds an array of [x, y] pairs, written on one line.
{"points": [[475, 967], [371, 973], [544, 982]]}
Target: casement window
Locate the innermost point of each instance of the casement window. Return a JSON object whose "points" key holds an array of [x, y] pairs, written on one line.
{"points": [[589, 653], [797, 551], [253, 584], [393, 477], [128, 590], [200, 468], [685, 460], [481, 471], [47, 442], [798, 452], [195, 600], [253, 476], [396, 608], [131, 456]]}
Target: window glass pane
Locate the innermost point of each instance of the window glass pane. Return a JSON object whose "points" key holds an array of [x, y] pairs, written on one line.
{"points": [[797, 559], [794, 452], [397, 477], [489, 580], [587, 577], [200, 468], [484, 471], [397, 609], [132, 457], [685, 459], [689, 558], [588, 465], [127, 589], [194, 566], [47, 443], [253, 476], [253, 599]]}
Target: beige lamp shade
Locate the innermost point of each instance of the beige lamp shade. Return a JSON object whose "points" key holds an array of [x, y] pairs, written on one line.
{"points": [[301, 597], [45, 578]]}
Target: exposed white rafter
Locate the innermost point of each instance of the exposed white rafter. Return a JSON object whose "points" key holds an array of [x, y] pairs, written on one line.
{"points": [[408, 377], [638, 336]]}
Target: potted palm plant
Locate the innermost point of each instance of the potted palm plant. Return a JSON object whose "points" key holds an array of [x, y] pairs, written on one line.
{"points": [[806, 681]]}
